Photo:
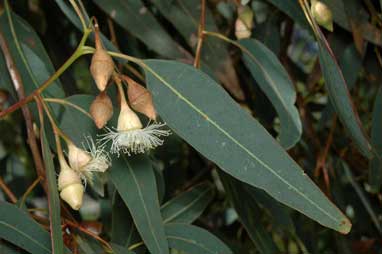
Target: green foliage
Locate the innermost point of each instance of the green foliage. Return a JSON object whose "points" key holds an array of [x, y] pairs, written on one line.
{"points": [[246, 154]]}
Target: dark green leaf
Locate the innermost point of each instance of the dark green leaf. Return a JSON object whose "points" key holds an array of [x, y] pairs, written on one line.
{"points": [[375, 174], [292, 9], [202, 113], [184, 16], [276, 84], [138, 20], [278, 212], [249, 213], [364, 199], [118, 249], [123, 230], [340, 97], [84, 125], [18, 228], [135, 181], [194, 240], [53, 197], [188, 206], [28, 53]]}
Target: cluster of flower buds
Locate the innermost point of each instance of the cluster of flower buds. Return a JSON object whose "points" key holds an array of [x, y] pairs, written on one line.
{"points": [[244, 22], [322, 14]]}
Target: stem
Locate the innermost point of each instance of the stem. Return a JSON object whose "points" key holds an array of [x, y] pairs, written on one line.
{"points": [[29, 190], [67, 103], [202, 24], [7, 191], [79, 14], [77, 53], [19, 87], [135, 245]]}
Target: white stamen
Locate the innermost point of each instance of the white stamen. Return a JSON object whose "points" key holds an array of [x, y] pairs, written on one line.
{"points": [[136, 140]]}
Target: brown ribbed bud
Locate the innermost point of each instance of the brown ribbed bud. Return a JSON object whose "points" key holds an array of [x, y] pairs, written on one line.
{"points": [[102, 65], [101, 110], [140, 99]]}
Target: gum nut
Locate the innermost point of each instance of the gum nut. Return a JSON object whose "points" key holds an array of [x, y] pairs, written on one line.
{"points": [[67, 177]]}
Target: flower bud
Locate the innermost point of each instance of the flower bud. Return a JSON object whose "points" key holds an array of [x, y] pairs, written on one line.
{"points": [[78, 158], [241, 30], [70, 186], [127, 119], [102, 65], [101, 110], [244, 22], [322, 14], [140, 99]]}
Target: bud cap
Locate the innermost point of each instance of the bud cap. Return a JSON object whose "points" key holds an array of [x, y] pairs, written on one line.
{"points": [[101, 110]]}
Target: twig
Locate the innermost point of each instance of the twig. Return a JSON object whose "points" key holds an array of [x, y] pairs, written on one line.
{"points": [[29, 190], [19, 87], [84, 230], [7, 191], [202, 24]]}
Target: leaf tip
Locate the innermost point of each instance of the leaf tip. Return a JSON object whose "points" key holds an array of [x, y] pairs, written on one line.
{"points": [[345, 226]]}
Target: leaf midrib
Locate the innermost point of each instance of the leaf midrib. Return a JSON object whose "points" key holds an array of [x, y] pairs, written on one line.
{"points": [[25, 235], [207, 118], [144, 205]]}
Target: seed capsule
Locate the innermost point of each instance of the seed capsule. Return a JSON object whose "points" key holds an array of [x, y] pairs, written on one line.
{"points": [[101, 110], [102, 65], [140, 99], [322, 14]]}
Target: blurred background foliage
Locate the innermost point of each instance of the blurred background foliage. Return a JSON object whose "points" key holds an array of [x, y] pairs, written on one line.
{"points": [[253, 222]]}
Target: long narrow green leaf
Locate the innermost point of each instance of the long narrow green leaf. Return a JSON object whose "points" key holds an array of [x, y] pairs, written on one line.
{"points": [[135, 181], [276, 84], [188, 206], [139, 21], [194, 240], [28, 53], [277, 211], [123, 230], [18, 228], [340, 97], [53, 197], [249, 214], [375, 173], [203, 114]]}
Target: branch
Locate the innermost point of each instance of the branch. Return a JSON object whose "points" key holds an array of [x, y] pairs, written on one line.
{"points": [[19, 87], [202, 24]]}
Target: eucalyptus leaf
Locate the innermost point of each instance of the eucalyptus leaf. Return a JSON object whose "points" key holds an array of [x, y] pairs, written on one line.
{"points": [[203, 114], [184, 15], [17, 227], [29, 54], [194, 240], [53, 197], [123, 230], [188, 206], [249, 213], [135, 181], [375, 167], [340, 97], [276, 84], [138, 20]]}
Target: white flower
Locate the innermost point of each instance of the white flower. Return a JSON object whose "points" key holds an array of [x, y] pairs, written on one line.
{"points": [[130, 137], [87, 162]]}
